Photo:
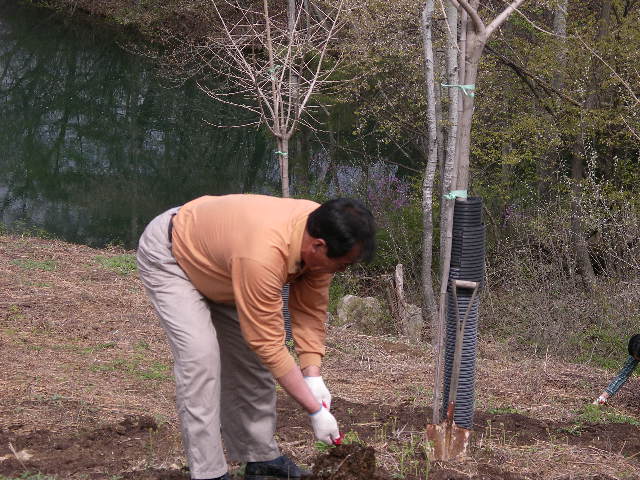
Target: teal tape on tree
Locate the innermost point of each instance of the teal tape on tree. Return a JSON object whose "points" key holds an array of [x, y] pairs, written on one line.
{"points": [[453, 194], [466, 89], [278, 152]]}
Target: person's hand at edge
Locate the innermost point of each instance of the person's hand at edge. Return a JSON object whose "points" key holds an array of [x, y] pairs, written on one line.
{"points": [[602, 399]]}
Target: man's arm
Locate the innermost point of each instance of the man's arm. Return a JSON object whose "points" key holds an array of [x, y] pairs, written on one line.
{"points": [[257, 290], [309, 298], [308, 302], [294, 384], [622, 377], [617, 383]]}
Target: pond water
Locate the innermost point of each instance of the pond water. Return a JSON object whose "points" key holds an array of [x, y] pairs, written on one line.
{"points": [[93, 143]]}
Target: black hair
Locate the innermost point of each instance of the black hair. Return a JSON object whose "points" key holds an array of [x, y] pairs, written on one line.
{"points": [[634, 346], [344, 223]]}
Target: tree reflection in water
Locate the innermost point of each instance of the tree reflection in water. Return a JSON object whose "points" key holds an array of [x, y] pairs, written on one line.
{"points": [[93, 145]]}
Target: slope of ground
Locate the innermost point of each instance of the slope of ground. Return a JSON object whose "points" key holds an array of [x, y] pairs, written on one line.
{"points": [[87, 391]]}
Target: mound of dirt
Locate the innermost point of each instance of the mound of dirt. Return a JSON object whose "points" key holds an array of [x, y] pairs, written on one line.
{"points": [[347, 462]]}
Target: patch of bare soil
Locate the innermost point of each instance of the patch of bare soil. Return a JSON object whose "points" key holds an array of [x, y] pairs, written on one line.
{"points": [[87, 392], [123, 448], [94, 453]]}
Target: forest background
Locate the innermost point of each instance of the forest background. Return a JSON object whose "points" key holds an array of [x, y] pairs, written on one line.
{"points": [[555, 153]]}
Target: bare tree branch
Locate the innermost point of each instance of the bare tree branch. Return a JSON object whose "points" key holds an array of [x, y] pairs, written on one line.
{"points": [[274, 61], [475, 18], [633, 132], [500, 19], [524, 71]]}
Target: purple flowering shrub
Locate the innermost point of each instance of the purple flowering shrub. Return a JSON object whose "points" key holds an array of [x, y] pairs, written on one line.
{"points": [[396, 205], [386, 192]]}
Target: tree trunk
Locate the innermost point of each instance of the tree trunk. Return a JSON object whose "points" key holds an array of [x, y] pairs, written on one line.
{"points": [[283, 163], [291, 14], [474, 46], [446, 207], [474, 37], [547, 163], [452, 120], [294, 81], [583, 262], [428, 295], [440, 132]]}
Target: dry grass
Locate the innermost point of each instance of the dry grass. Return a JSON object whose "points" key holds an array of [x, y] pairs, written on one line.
{"points": [[81, 347]]}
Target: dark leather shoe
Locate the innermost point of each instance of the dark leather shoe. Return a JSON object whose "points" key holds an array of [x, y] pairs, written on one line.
{"points": [[277, 469]]}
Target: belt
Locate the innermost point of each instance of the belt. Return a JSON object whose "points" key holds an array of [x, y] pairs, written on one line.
{"points": [[170, 229]]}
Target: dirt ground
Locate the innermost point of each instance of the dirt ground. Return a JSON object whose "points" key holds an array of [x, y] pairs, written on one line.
{"points": [[87, 392]]}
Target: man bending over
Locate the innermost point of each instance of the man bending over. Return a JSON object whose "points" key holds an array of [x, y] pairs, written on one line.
{"points": [[214, 269]]}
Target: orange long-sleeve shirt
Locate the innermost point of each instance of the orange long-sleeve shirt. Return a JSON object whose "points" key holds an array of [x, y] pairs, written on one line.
{"points": [[242, 249]]}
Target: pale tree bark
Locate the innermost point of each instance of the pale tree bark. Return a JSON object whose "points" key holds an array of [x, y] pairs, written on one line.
{"points": [[283, 163], [453, 112], [431, 149], [446, 208], [291, 15], [462, 64], [546, 165], [438, 70], [294, 20], [469, 45]]}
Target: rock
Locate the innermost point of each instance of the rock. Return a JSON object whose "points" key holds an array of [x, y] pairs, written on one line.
{"points": [[412, 323], [363, 313]]}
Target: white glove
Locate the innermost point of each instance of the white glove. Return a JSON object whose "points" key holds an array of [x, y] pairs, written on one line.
{"points": [[319, 391], [601, 400], [325, 426]]}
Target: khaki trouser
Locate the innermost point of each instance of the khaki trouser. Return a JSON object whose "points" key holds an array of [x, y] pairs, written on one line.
{"points": [[216, 373]]}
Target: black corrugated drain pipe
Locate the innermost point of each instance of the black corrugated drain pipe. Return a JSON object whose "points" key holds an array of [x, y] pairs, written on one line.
{"points": [[466, 277]]}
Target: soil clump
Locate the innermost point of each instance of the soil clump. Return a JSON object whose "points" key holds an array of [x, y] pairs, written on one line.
{"points": [[347, 462]]}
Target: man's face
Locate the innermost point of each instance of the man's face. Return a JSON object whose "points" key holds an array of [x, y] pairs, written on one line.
{"points": [[318, 261]]}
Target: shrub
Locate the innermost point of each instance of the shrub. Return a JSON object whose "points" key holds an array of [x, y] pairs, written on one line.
{"points": [[534, 294]]}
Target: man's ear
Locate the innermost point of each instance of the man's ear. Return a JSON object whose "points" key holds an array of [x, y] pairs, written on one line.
{"points": [[318, 243]]}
